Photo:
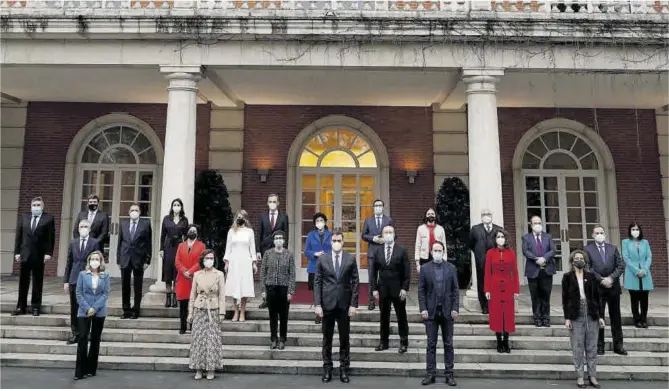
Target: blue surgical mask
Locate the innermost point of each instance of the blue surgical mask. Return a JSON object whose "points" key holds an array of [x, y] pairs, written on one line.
{"points": [[36, 210]]}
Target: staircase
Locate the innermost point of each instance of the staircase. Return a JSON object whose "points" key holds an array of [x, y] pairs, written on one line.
{"points": [[152, 342]]}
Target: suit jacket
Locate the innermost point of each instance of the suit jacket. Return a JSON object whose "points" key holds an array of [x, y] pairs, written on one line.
{"points": [[99, 227], [613, 266], [370, 231], [332, 292], [635, 260], [134, 251], [88, 298], [427, 293], [571, 296], [390, 278], [264, 241], [422, 249], [531, 254], [76, 259], [480, 241], [33, 246]]}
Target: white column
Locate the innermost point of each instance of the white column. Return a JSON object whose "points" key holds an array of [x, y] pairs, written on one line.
{"points": [[485, 177], [179, 162]]}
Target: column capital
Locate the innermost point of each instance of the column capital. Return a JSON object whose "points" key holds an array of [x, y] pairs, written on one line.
{"points": [[182, 69], [182, 77], [481, 80]]}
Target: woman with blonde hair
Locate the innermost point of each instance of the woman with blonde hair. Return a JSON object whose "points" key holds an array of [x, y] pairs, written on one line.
{"points": [[92, 294], [240, 264]]}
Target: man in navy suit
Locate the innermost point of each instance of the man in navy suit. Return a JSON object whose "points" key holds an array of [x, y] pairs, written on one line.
{"points": [[539, 250], [371, 233], [133, 257], [607, 265], [439, 302], [77, 254]]}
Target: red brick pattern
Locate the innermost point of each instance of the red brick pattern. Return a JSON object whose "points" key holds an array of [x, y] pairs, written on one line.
{"points": [[631, 137], [50, 128]]}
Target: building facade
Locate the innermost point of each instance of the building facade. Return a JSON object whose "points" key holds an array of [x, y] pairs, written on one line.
{"points": [[332, 104]]}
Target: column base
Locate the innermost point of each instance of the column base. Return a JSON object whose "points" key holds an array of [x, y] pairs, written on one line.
{"points": [[156, 294], [471, 301]]}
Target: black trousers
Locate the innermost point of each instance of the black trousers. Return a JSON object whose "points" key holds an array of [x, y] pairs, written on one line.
{"points": [[310, 281], [74, 307], [612, 299], [138, 280], [36, 269], [278, 305], [87, 359], [344, 324], [370, 277], [385, 301], [432, 327], [540, 293], [639, 301], [183, 314], [480, 280]]}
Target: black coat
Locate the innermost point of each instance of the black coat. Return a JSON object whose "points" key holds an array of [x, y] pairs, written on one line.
{"points": [[480, 241], [390, 278], [571, 296], [333, 293], [264, 241], [134, 251], [33, 246], [99, 227]]}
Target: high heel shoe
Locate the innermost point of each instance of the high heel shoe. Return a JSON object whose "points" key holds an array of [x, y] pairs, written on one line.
{"points": [[580, 383], [174, 300], [168, 300], [594, 384]]}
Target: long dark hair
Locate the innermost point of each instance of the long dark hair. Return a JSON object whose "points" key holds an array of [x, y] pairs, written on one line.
{"points": [[629, 230], [585, 258], [182, 213], [436, 218], [506, 237]]}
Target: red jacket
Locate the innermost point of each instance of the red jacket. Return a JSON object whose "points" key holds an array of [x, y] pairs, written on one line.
{"points": [[501, 281], [187, 261]]}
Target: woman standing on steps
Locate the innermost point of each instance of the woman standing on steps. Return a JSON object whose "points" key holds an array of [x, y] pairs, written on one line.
{"points": [[205, 310], [240, 264], [92, 294], [638, 257], [502, 286], [187, 263], [174, 228]]}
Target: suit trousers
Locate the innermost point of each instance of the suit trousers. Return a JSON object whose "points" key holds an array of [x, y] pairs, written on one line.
{"points": [[540, 294], [36, 269], [370, 277], [613, 300], [385, 302], [183, 314], [278, 305], [87, 359], [480, 281], [432, 327], [74, 308], [138, 275], [583, 337], [639, 301], [340, 316]]}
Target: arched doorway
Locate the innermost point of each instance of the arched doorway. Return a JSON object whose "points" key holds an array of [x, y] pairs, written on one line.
{"points": [[118, 158], [340, 172], [564, 173]]}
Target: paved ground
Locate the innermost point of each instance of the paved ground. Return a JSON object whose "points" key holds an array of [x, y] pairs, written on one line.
{"points": [[61, 378]]}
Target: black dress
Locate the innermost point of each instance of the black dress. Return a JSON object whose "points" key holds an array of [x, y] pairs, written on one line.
{"points": [[171, 236]]}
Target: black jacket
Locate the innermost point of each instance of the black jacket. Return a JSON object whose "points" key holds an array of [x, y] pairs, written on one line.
{"points": [[390, 278], [571, 296], [264, 241], [33, 246], [332, 292], [99, 227], [481, 241], [135, 251]]}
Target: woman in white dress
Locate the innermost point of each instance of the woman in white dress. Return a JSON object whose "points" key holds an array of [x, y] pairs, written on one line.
{"points": [[240, 264]]}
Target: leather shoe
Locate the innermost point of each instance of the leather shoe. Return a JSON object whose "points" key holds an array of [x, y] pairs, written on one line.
{"points": [[343, 376], [318, 320], [263, 304], [282, 345], [450, 381], [35, 312], [77, 378], [484, 311], [134, 315], [72, 339], [403, 349], [595, 385], [274, 345], [644, 325], [600, 351], [327, 376], [371, 306], [537, 323], [620, 351], [427, 380], [381, 347], [19, 311], [126, 315]]}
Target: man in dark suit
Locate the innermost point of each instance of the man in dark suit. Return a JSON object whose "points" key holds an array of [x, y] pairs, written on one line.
{"points": [[33, 248], [336, 286], [371, 233], [269, 223], [439, 303], [539, 249], [133, 257], [607, 265], [391, 273], [481, 239], [98, 219], [77, 255]]}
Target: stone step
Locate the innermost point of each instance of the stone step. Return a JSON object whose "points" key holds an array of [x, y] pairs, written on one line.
{"points": [[246, 352], [303, 312], [315, 339], [313, 367], [301, 326]]}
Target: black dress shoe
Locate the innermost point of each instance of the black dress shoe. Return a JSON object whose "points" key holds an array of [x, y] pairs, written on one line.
{"points": [[546, 323], [126, 315], [77, 378], [182, 331], [644, 325], [343, 376], [450, 381], [381, 347], [327, 376], [581, 385], [620, 351], [282, 345], [485, 311], [318, 320], [72, 339], [263, 304], [274, 345], [600, 351], [538, 323], [595, 385], [19, 311], [427, 380], [89, 375], [371, 305], [403, 349], [35, 312], [134, 315]]}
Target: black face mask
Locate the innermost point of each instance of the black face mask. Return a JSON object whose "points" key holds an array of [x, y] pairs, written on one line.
{"points": [[431, 219], [191, 235], [92, 207], [579, 264], [240, 221]]}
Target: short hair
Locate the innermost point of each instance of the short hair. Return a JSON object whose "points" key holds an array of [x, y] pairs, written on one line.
{"points": [[598, 226], [273, 195], [37, 199], [378, 200], [321, 215], [102, 261], [93, 197], [585, 258], [87, 221], [204, 254], [629, 230], [443, 246], [506, 237], [197, 227], [533, 216], [278, 232], [338, 232], [135, 204]]}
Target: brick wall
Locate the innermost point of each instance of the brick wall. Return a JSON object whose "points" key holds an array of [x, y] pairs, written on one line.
{"points": [[50, 128], [405, 131], [631, 137]]}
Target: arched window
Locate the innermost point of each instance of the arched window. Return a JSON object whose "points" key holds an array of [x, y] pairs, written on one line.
{"points": [[119, 145], [338, 148], [559, 150]]}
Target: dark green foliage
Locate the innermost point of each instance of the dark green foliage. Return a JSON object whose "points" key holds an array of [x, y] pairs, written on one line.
{"points": [[452, 206], [212, 212]]}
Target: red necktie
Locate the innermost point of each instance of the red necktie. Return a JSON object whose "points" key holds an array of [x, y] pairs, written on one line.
{"points": [[271, 222], [540, 251]]}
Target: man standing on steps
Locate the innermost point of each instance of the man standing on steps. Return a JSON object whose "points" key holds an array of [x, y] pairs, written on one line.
{"points": [[539, 249], [439, 302], [336, 284], [269, 223], [391, 273], [99, 222], [481, 239], [134, 256], [371, 233]]}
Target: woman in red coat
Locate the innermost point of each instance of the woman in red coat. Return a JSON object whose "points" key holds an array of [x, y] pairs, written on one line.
{"points": [[502, 285], [187, 263]]}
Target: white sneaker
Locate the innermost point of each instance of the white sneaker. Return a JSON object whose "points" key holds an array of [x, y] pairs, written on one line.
{"points": [[198, 375], [210, 375]]}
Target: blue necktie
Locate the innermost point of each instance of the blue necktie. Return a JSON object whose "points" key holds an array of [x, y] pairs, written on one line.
{"points": [[337, 265], [378, 223], [601, 252], [133, 229]]}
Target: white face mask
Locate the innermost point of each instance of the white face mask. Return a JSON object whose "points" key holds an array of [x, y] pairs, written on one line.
{"points": [[635, 233], [537, 228], [378, 210], [389, 238], [500, 241], [336, 246], [278, 243], [320, 225], [176, 209], [599, 238], [36, 211], [273, 205], [437, 256], [486, 219], [134, 215], [83, 232], [208, 263], [95, 264]]}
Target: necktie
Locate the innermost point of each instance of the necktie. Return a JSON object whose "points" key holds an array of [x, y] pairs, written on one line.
{"points": [[540, 250], [33, 225], [91, 217], [83, 245], [487, 228], [133, 228], [378, 223], [601, 252], [337, 265], [388, 251], [271, 222]]}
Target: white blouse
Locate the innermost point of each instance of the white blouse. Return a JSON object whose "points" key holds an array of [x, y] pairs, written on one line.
{"points": [[94, 282], [580, 287]]}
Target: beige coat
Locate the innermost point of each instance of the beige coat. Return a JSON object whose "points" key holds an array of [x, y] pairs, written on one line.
{"points": [[423, 241], [208, 291]]}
